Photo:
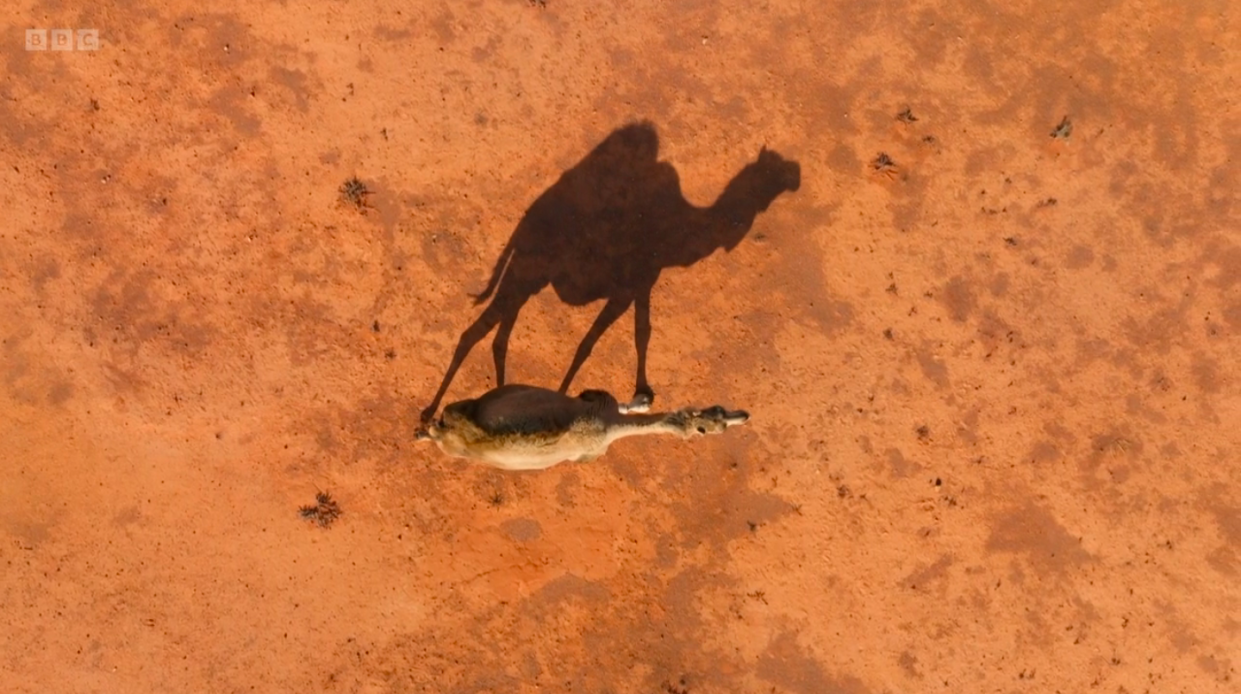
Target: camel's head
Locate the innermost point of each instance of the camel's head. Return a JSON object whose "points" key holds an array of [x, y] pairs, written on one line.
{"points": [[713, 420]]}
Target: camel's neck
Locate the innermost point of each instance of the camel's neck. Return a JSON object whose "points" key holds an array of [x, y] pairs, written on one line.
{"points": [[627, 425]]}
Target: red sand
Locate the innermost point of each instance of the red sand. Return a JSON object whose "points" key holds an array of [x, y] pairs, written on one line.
{"points": [[995, 390]]}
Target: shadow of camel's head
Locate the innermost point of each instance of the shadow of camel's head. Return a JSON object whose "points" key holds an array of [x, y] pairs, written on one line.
{"points": [[754, 189], [777, 173]]}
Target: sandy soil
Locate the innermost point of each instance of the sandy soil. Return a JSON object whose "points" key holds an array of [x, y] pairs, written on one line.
{"points": [[994, 386]]}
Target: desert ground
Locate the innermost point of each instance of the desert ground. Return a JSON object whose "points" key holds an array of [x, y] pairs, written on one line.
{"points": [[986, 323]]}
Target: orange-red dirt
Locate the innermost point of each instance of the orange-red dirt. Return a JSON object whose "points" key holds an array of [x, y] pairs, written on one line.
{"points": [[994, 386]]}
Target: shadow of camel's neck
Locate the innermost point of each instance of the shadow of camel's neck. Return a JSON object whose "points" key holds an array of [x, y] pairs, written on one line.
{"points": [[723, 224]]}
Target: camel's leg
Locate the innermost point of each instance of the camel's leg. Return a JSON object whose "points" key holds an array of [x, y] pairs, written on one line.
{"points": [[643, 396], [614, 309], [640, 404]]}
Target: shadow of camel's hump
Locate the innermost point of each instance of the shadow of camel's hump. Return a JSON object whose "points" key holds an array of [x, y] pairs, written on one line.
{"points": [[596, 233], [605, 231]]}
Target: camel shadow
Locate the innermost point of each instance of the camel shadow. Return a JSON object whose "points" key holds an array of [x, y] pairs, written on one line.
{"points": [[605, 230]]}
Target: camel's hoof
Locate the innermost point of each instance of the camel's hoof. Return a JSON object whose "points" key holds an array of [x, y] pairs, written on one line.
{"points": [[641, 403]]}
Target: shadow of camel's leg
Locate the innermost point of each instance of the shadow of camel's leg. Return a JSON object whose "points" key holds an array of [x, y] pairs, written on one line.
{"points": [[472, 335], [642, 338], [499, 344], [614, 309]]}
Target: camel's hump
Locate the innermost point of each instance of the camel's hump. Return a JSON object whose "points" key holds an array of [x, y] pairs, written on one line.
{"points": [[520, 409]]}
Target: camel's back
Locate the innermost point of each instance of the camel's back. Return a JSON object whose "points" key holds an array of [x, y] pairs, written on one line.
{"points": [[524, 411], [519, 427]]}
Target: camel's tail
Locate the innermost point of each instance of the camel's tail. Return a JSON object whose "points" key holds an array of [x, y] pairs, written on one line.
{"points": [[497, 273]]}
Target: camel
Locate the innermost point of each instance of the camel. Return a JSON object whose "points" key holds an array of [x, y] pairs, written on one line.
{"points": [[605, 231], [521, 427]]}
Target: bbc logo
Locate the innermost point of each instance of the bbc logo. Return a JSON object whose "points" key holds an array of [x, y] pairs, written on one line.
{"points": [[62, 39]]}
